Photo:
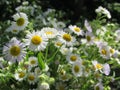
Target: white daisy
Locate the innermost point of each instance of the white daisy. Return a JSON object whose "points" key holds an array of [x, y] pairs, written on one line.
{"points": [[14, 50], [76, 30], [105, 51], [21, 20], [49, 32], [33, 61], [66, 38], [77, 69], [71, 58], [97, 66], [87, 26], [13, 29], [36, 41], [32, 78], [20, 75], [89, 38], [37, 71]]}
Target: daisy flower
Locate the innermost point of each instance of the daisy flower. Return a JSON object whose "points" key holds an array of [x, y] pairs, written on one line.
{"points": [[49, 32], [89, 38], [76, 30], [36, 41], [106, 69], [71, 58], [97, 66], [20, 75], [87, 26], [66, 38], [105, 51], [77, 69], [13, 29], [33, 61], [14, 50], [20, 20], [32, 78]]}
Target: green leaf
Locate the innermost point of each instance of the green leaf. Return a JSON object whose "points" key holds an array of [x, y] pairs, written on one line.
{"points": [[40, 61]]}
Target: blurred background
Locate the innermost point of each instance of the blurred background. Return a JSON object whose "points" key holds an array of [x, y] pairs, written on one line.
{"points": [[75, 10]]}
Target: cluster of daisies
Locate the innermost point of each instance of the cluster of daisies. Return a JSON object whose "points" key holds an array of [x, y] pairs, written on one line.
{"points": [[67, 61]]}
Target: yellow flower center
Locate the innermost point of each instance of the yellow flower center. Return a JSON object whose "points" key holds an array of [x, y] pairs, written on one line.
{"points": [[77, 29], [20, 21], [103, 51], [21, 74], [49, 32], [32, 61], [99, 66], [112, 50], [73, 58], [15, 30], [59, 44], [88, 38], [31, 77], [15, 50], [36, 40], [76, 68], [67, 37]]}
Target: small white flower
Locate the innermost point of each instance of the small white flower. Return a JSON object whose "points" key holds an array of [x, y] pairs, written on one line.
{"points": [[77, 69], [21, 20], [71, 58], [14, 50], [49, 32], [105, 51], [66, 38], [87, 25], [32, 78], [97, 66], [20, 75], [106, 69], [101, 10], [33, 61], [76, 30], [36, 41], [13, 29]]}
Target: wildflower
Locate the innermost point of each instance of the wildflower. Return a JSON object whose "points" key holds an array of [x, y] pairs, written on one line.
{"points": [[13, 29], [106, 69], [77, 69], [71, 58], [87, 25], [14, 50], [33, 61], [36, 41], [21, 20], [97, 65], [20, 75], [32, 78], [76, 29], [101, 10], [66, 38], [49, 32], [105, 51]]}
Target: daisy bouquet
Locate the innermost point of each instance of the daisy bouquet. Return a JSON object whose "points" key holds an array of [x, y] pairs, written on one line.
{"points": [[50, 58]]}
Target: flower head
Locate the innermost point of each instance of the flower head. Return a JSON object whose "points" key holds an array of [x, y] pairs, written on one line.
{"points": [[14, 50]]}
